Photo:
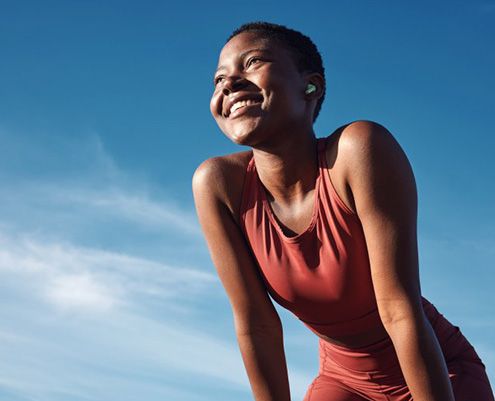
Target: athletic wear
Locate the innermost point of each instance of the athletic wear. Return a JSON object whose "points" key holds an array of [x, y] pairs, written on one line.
{"points": [[322, 275], [373, 373]]}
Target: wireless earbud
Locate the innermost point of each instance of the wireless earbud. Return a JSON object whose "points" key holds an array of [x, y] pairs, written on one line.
{"points": [[310, 89]]}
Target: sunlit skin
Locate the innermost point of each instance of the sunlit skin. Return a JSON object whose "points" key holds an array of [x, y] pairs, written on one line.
{"points": [[265, 72], [279, 127], [277, 124]]}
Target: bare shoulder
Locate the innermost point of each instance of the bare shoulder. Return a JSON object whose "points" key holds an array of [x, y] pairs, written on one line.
{"points": [[361, 148], [361, 141], [364, 136], [222, 178]]}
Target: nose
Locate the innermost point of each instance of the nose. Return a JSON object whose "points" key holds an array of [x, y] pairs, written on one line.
{"points": [[233, 84]]}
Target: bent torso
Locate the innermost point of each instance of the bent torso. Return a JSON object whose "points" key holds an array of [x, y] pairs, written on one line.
{"points": [[234, 170]]}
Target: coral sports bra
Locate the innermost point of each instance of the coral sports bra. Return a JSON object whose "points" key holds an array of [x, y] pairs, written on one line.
{"points": [[321, 275]]}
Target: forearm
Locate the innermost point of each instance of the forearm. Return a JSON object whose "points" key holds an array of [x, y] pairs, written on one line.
{"points": [[421, 360], [264, 359]]}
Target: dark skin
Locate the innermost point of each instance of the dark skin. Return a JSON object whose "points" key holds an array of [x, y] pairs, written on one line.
{"points": [[370, 173]]}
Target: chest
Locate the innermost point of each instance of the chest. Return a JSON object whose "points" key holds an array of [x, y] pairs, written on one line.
{"points": [[295, 219], [325, 265]]}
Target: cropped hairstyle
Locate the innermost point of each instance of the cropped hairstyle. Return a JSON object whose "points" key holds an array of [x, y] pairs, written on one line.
{"points": [[304, 51]]}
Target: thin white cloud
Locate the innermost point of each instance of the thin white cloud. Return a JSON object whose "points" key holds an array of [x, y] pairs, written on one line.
{"points": [[125, 346], [94, 284], [82, 321], [83, 180], [32, 203], [99, 295], [80, 291], [135, 207], [73, 277]]}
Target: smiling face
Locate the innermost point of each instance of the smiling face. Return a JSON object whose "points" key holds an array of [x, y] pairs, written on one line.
{"points": [[259, 91]]}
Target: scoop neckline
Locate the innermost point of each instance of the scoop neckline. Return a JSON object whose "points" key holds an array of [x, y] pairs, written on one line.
{"points": [[316, 201]]}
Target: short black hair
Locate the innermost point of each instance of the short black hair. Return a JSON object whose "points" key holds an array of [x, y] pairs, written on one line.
{"points": [[306, 54]]}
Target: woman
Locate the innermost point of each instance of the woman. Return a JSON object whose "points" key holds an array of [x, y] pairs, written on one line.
{"points": [[327, 227]]}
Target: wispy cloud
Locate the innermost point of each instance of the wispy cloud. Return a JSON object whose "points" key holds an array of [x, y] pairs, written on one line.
{"points": [[72, 277], [80, 291], [136, 207], [81, 321], [90, 311], [90, 185]]}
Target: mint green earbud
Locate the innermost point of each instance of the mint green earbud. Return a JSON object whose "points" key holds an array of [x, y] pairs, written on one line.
{"points": [[310, 89]]}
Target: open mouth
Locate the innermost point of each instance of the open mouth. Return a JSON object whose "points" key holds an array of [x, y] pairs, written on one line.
{"points": [[243, 103], [238, 105]]}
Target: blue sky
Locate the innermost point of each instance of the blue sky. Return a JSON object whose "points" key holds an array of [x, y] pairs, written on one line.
{"points": [[107, 289]]}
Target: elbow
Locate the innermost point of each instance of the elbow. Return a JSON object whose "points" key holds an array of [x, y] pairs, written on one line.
{"points": [[273, 328], [399, 319], [390, 321]]}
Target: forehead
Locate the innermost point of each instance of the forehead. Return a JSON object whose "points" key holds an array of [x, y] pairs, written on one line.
{"points": [[247, 41]]}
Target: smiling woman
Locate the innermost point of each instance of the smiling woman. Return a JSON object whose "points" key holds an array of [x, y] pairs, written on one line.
{"points": [[327, 227], [264, 86]]}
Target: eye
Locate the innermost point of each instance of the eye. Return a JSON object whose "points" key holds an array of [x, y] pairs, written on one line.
{"points": [[218, 79], [252, 60]]}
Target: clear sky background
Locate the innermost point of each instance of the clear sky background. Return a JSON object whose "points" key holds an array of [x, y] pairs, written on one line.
{"points": [[107, 291]]}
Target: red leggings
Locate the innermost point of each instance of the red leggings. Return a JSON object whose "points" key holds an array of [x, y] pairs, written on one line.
{"points": [[373, 372]]}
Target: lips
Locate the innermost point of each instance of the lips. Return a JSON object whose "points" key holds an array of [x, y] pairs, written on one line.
{"points": [[239, 101]]}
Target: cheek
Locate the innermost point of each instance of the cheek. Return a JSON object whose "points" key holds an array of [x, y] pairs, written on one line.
{"points": [[213, 105], [216, 105]]}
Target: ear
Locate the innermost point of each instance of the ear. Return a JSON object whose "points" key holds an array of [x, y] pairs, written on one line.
{"points": [[317, 80]]}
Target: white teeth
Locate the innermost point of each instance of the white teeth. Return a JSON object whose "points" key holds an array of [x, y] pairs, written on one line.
{"points": [[242, 103]]}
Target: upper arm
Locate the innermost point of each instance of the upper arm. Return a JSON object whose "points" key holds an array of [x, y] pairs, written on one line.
{"points": [[229, 251], [385, 196]]}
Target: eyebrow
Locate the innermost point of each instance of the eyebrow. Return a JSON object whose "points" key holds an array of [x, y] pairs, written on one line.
{"points": [[242, 56]]}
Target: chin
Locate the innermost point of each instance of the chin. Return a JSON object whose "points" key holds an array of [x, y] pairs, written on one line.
{"points": [[244, 134], [244, 139]]}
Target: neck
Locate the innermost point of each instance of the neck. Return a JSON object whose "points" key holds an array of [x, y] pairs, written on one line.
{"points": [[288, 168]]}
